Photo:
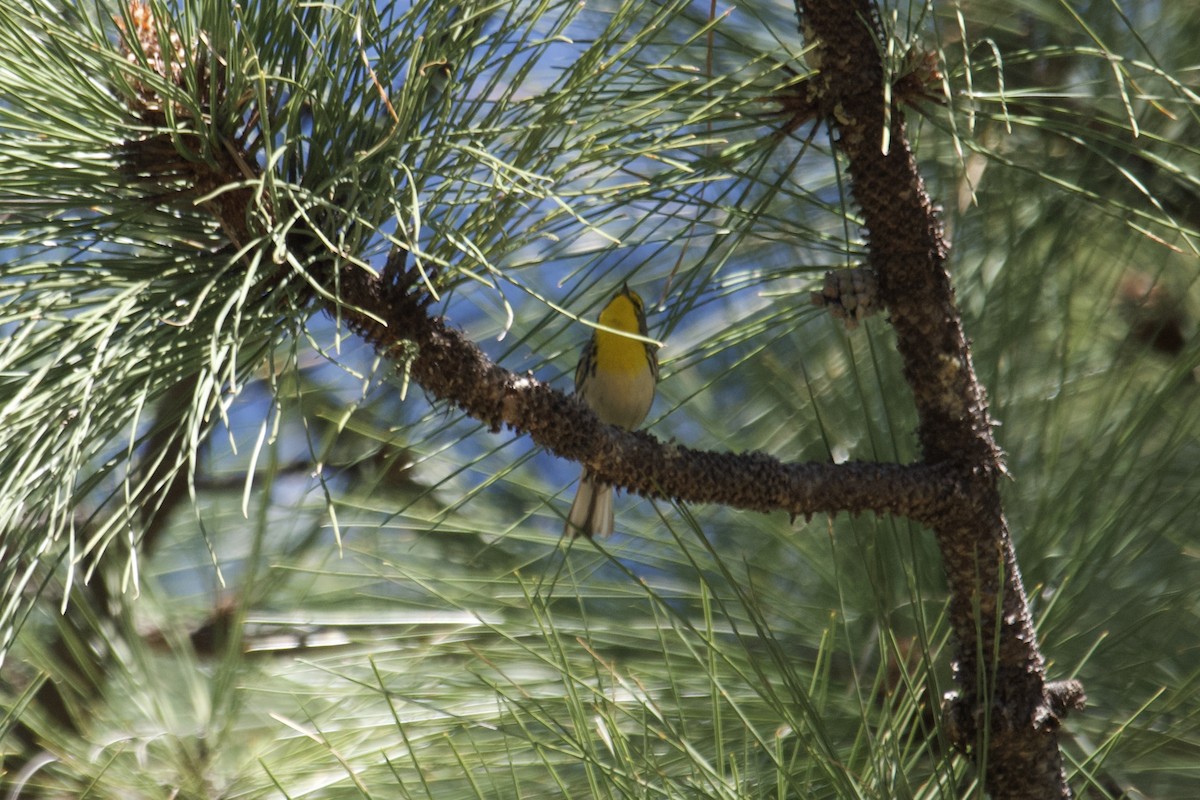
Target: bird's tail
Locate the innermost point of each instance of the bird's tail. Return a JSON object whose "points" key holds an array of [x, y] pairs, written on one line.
{"points": [[592, 512]]}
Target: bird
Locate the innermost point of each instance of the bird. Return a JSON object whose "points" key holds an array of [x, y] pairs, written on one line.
{"points": [[616, 378]]}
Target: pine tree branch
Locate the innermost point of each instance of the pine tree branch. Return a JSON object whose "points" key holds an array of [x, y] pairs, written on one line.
{"points": [[451, 368], [390, 310], [1005, 714]]}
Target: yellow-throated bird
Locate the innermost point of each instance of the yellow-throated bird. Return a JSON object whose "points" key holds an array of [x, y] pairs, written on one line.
{"points": [[615, 377]]}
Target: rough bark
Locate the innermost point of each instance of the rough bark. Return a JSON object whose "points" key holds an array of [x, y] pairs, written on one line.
{"points": [[1004, 714], [391, 312]]}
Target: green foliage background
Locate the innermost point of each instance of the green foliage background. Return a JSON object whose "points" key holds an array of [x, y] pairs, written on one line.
{"points": [[369, 595]]}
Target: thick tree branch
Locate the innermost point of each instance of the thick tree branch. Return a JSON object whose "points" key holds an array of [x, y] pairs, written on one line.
{"points": [[1005, 707], [451, 368]]}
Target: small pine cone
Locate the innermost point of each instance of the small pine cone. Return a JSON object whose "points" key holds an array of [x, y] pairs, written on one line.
{"points": [[849, 294], [145, 40]]}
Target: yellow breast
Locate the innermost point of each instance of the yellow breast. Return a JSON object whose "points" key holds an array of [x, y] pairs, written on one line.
{"points": [[615, 353]]}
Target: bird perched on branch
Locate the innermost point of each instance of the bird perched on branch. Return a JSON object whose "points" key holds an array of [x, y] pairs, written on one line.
{"points": [[616, 378]]}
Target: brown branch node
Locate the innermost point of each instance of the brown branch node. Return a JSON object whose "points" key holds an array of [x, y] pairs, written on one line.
{"points": [[851, 295]]}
